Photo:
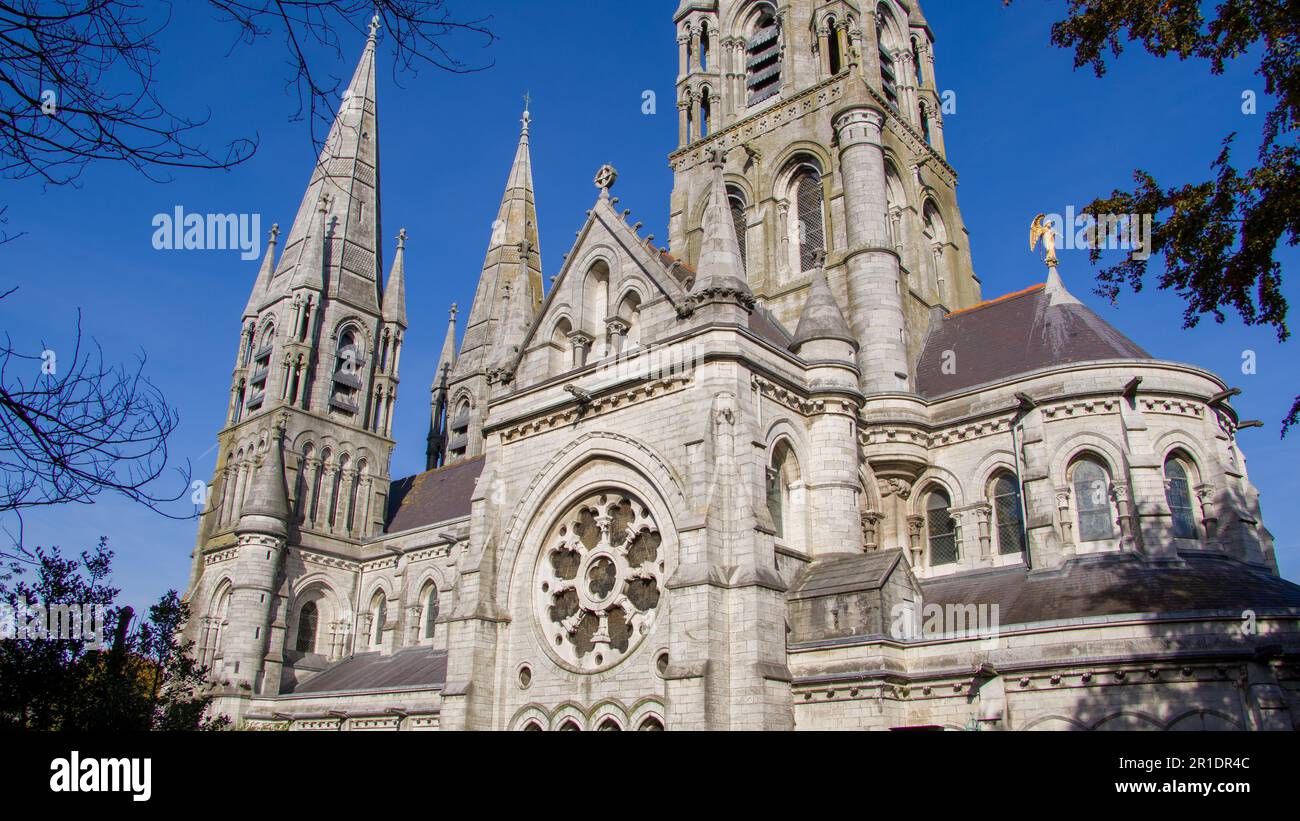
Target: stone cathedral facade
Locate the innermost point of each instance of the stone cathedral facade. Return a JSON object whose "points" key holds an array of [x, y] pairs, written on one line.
{"points": [[791, 472]]}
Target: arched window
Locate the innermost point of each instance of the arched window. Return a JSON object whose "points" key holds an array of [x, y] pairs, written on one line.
{"points": [[704, 46], [317, 485], [836, 59], [629, 310], [651, 724], [458, 445], [561, 359], [348, 362], [763, 57], [916, 63], [925, 122], [706, 113], [532, 727], [811, 225], [307, 620], [569, 726], [355, 502], [429, 601], [1092, 501], [609, 725], [785, 495], [336, 498], [379, 607], [595, 306], [888, 70], [941, 529], [936, 236], [736, 198], [1178, 493], [1008, 516], [210, 642]]}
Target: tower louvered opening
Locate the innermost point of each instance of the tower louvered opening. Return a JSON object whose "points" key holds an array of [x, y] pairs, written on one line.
{"points": [[763, 60]]}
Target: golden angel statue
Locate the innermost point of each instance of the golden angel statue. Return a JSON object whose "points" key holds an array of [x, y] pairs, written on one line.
{"points": [[1044, 229]]}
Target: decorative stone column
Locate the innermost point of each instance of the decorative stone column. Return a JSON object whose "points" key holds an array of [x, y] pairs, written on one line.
{"points": [[1119, 492], [617, 330], [915, 527], [875, 305], [1066, 519], [581, 344], [870, 530], [683, 121], [1205, 495], [823, 50], [983, 520]]}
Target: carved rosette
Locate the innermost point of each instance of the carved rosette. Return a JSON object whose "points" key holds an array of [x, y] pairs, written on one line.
{"points": [[599, 581]]}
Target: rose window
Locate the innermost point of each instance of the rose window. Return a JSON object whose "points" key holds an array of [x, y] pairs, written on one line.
{"points": [[599, 579]]}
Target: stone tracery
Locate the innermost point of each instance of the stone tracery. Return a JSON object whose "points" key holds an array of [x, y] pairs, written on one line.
{"points": [[599, 581]]}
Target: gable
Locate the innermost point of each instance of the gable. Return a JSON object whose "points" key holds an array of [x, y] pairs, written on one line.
{"points": [[616, 292]]}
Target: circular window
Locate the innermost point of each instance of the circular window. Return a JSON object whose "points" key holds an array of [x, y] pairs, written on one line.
{"points": [[525, 676], [599, 581]]}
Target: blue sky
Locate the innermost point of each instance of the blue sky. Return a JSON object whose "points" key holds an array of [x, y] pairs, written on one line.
{"points": [[1030, 135]]}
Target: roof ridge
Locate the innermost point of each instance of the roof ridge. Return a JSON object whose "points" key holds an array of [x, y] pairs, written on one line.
{"points": [[988, 302]]}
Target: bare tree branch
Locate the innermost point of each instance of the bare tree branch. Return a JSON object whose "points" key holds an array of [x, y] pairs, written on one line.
{"points": [[72, 427]]}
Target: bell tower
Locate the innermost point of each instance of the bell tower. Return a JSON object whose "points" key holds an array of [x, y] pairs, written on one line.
{"points": [[831, 122]]}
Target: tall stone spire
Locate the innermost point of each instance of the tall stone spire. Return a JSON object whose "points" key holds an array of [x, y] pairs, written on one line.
{"points": [[395, 291], [346, 179], [436, 452], [513, 265], [507, 300], [264, 274]]}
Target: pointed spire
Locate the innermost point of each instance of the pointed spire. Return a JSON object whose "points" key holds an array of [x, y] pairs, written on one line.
{"points": [[348, 172], [721, 270], [436, 451], [448, 357], [264, 275], [822, 318], [267, 510], [513, 264], [1056, 292], [395, 291]]}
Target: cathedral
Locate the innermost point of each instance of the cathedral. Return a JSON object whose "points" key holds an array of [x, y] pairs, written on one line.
{"points": [[792, 471]]}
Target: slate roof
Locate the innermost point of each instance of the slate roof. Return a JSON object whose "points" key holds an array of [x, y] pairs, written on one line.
{"points": [[1117, 584], [415, 667], [433, 496], [1036, 328], [766, 326], [846, 574]]}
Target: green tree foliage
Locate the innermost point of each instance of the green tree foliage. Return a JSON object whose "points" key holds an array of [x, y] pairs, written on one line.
{"points": [[128, 680], [1219, 237]]}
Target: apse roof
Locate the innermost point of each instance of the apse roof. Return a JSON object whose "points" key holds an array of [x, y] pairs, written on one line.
{"points": [[1039, 327]]}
